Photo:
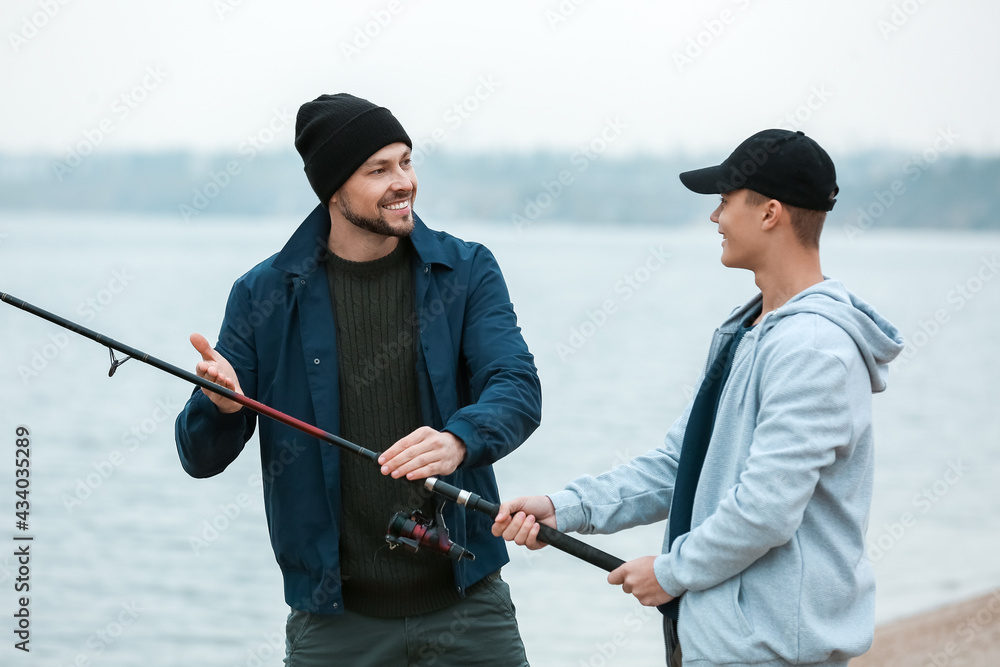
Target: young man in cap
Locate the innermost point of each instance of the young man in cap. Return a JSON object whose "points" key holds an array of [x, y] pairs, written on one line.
{"points": [[398, 338], [766, 478]]}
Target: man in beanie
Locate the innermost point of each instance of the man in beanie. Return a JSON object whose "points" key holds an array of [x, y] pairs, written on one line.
{"points": [[402, 340], [766, 478]]}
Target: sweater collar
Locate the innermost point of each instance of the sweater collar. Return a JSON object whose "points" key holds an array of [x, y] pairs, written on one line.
{"points": [[307, 245]]}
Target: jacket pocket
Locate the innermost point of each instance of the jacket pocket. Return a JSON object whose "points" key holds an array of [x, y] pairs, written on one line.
{"points": [[741, 607]]}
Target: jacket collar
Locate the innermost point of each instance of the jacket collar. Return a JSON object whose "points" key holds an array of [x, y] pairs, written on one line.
{"points": [[308, 244], [740, 314]]}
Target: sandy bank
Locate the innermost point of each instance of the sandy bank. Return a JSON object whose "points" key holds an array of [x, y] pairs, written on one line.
{"points": [[966, 634]]}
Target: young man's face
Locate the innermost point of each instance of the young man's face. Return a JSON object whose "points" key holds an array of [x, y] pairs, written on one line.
{"points": [[378, 197], [739, 224]]}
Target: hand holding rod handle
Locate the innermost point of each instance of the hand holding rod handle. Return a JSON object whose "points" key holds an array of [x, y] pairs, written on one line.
{"points": [[557, 539], [473, 501]]}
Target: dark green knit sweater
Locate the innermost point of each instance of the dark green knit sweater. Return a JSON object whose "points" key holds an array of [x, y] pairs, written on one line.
{"points": [[379, 404]]}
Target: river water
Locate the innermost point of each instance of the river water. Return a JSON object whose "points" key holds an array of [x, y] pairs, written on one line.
{"points": [[134, 563]]}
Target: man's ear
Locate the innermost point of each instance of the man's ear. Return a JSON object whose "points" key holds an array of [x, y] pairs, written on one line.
{"points": [[770, 214]]}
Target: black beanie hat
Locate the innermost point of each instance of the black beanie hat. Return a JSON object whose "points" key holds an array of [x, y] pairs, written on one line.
{"points": [[335, 134]]}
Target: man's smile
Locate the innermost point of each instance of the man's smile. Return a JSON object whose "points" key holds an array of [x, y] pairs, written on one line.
{"points": [[399, 205]]}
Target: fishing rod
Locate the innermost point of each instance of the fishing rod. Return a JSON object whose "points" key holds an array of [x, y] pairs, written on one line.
{"points": [[412, 533]]}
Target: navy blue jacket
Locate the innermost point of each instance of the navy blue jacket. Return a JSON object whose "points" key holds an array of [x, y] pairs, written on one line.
{"points": [[476, 380]]}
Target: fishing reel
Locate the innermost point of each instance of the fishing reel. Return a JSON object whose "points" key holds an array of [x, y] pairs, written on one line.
{"points": [[416, 531]]}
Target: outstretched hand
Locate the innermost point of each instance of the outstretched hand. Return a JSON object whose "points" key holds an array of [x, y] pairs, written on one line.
{"points": [[637, 578], [214, 367], [519, 520]]}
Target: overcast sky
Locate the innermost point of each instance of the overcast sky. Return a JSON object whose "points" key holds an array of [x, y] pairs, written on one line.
{"points": [[524, 74]]}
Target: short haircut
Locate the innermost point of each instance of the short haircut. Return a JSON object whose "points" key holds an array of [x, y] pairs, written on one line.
{"points": [[807, 223]]}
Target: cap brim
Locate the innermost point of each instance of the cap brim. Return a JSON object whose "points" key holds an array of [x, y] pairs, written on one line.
{"points": [[707, 181]]}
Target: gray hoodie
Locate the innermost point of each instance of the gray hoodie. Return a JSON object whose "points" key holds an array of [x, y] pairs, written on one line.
{"points": [[774, 570]]}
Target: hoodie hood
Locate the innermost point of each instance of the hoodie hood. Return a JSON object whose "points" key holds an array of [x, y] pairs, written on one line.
{"points": [[877, 339]]}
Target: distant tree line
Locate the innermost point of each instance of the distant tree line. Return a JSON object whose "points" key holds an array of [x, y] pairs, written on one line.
{"points": [[877, 190]]}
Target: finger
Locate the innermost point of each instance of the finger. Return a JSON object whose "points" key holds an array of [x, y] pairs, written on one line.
{"points": [[499, 525], [617, 576], [210, 371], [406, 461], [429, 464], [503, 514], [532, 541], [524, 533], [516, 505], [513, 526], [442, 461], [218, 381], [394, 457], [218, 377], [414, 471], [215, 396], [391, 453], [433, 455], [204, 348], [403, 444], [525, 528], [509, 529]]}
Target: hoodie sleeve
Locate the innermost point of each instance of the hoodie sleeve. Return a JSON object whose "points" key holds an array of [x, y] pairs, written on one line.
{"points": [[633, 494], [804, 423]]}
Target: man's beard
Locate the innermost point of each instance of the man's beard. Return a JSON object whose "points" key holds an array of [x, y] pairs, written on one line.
{"points": [[375, 225]]}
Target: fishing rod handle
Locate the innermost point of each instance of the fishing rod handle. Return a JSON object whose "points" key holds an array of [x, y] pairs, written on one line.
{"points": [[561, 541], [581, 550], [551, 536]]}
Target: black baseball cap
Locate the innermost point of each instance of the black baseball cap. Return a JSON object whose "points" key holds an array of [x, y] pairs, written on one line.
{"points": [[781, 164]]}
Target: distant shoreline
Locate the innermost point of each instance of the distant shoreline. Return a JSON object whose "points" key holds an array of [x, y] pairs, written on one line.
{"points": [[878, 190]]}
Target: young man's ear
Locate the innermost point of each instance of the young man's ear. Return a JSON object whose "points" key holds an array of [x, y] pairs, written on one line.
{"points": [[770, 212]]}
